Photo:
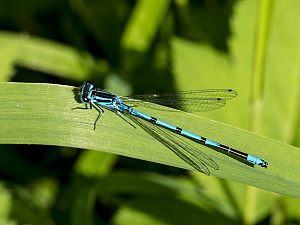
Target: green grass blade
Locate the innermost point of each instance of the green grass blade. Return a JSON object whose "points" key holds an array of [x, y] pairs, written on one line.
{"points": [[50, 57], [144, 24], [8, 56], [42, 114], [258, 76]]}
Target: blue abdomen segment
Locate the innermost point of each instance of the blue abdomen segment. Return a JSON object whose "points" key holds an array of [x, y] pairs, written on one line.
{"points": [[191, 135], [212, 143], [164, 124], [257, 161], [154, 120]]}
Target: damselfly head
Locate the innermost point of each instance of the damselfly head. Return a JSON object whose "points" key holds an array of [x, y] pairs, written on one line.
{"points": [[85, 91]]}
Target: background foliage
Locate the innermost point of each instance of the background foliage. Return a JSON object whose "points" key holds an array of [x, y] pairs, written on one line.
{"points": [[146, 47]]}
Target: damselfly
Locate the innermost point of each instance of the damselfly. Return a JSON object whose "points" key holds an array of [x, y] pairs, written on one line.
{"points": [[189, 101]]}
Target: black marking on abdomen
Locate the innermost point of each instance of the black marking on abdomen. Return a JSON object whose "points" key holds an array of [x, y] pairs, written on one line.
{"points": [[202, 140], [153, 119], [179, 130], [224, 147]]}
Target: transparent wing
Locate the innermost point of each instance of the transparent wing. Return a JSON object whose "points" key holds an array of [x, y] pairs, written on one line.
{"points": [[182, 149], [189, 101]]}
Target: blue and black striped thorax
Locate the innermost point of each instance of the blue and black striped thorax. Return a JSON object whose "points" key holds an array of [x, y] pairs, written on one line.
{"points": [[102, 98]]}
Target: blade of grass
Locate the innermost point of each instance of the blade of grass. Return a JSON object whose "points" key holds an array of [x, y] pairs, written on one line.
{"points": [[8, 56], [144, 24], [259, 58], [264, 14], [51, 57], [42, 114]]}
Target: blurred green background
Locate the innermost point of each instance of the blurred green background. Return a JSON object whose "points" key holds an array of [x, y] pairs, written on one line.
{"points": [[149, 46]]}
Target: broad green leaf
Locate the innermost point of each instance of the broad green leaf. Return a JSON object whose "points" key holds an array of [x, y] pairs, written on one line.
{"points": [[42, 114]]}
